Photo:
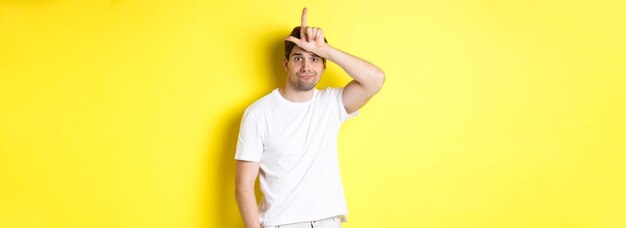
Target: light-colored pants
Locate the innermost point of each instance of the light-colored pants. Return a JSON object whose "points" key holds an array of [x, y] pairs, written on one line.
{"points": [[332, 222]]}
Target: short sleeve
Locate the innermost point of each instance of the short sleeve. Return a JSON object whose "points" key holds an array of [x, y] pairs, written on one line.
{"points": [[249, 142], [344, 115]]}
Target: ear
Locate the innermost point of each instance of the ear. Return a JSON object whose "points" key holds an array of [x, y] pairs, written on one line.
{"points": [[285, 62]]}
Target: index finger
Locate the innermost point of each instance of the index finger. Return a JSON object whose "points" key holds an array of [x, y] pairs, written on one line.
{"points": [[303, 25]]}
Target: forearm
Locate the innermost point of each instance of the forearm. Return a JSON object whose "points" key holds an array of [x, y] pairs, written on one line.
{"points": [[360, 70], [246, 200]]}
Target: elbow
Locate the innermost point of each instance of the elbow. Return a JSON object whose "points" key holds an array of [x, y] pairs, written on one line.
{"points": [[241, 193], [242, 189], [374, 82], [244, 193], [380, 80], [246, 188]]}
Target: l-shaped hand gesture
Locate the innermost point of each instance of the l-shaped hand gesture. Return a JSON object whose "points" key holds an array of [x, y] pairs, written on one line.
{"points": [[311, 38]]}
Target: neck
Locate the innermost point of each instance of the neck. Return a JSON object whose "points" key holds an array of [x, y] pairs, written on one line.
{"points": [[295, 95]]}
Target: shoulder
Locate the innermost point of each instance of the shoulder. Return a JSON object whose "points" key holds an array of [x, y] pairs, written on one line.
{"points": [[259, 107], [332, 94], [331, 91]]}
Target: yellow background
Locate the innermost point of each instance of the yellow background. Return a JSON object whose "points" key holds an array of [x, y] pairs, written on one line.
{"points": [[494, 113]]}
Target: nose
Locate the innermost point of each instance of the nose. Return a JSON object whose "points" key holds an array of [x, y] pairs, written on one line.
{"points": [[305, 67]]}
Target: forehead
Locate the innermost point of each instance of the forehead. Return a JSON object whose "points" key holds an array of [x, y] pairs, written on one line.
{"points": [[299, 51]]}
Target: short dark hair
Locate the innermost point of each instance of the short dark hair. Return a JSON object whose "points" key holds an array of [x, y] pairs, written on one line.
{"points": [[289, 45]]}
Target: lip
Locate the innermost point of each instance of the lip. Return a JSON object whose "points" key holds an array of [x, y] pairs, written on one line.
{"points": [[307, 77]]}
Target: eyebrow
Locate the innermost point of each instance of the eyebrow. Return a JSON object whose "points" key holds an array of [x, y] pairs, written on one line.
{"points": [[300, 54]]}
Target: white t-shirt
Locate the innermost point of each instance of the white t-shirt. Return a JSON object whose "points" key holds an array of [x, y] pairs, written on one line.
{"points": [[296, 146]]}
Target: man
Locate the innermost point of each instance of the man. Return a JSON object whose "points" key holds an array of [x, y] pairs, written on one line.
{"points": [[289, 137]]}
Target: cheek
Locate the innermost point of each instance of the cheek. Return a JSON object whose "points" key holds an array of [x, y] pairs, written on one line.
{"points": [[319, 66], [293, 69], [291, 66]]}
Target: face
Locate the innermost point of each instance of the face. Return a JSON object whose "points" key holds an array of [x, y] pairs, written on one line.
{"points": [[304, 69]]}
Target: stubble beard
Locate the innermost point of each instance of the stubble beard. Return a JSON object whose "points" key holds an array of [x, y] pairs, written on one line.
{"points": [[303, 85]]}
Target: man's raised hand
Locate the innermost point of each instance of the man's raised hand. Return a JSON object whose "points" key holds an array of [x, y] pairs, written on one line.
{"points": [[311, 38]]}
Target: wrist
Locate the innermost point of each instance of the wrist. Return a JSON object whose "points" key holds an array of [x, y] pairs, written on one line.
{"points": [[324, 51]]}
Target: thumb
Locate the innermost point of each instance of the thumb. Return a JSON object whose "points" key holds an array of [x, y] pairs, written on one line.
{"points": [[294, 40]]}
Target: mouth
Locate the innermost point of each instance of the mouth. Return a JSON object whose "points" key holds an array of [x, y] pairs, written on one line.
{"points": [[306, 76]]}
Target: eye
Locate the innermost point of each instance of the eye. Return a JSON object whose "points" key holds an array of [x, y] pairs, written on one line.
{"points": [[297, 58], [315, 59]]}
